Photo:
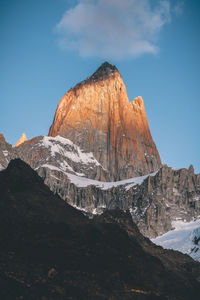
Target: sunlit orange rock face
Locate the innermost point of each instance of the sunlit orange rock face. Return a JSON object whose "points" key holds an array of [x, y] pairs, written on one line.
{"points": [[97, 115], [22, 139], [2, 139]]}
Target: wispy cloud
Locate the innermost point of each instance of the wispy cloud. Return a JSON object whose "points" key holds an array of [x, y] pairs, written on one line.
{"points": [[113, 28], [178, 8]]}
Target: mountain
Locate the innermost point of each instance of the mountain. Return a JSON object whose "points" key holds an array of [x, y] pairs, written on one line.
{"points": [[155, 200], [49, 250], [133, 179], [97, 116]]}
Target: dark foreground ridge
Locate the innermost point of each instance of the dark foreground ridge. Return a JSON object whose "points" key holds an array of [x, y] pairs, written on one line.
{"points": [[49, 250]]}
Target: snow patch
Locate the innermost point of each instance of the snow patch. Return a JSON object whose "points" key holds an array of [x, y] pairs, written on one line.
{"points": [[54, 168], [139, 180], [81, 182], [185, 237], [89, 210], [51, 167], [84, 182], [5, 152], [65, 147], [65, 166]]}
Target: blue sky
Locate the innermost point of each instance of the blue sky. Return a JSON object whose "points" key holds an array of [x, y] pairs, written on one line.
{"points": [[49, 46]]}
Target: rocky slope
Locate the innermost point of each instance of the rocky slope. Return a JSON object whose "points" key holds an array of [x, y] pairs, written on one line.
{"points": [[44, 152], [49, 250], [155, 201], [97, 116]]}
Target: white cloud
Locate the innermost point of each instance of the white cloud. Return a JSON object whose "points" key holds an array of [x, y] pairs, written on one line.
{"points": [[113, 28]]}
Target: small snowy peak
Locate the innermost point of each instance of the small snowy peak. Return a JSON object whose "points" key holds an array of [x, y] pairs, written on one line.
{"points": [[22, 139], [185, 237], [62, 146]]}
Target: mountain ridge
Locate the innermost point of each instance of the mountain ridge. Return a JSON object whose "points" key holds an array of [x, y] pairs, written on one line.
{"points": [[51, 250], [154, 200]]}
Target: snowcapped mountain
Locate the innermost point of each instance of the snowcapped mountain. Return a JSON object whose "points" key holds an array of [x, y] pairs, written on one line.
{"points": [[155, 200], [185, 237], [99, 154]]}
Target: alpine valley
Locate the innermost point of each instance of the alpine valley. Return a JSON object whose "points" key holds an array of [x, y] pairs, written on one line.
{"points": [[100, 180]]}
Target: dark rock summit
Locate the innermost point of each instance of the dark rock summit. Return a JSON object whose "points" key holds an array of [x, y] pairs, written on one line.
{"points": [[103, 71]]}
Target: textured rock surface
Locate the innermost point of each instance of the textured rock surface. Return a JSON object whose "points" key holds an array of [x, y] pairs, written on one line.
{"points": [[170, 195], [154, 204], [22, 139], [5, 152], [60, 155], [97, 116]]}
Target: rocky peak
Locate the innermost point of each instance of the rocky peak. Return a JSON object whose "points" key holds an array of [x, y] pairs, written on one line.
{"points": [[104, 71], [191, 169], [98, 116], [2, 138], [22, 139]]}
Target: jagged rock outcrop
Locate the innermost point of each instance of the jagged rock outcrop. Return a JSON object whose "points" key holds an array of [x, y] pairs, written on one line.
{"points": [[49, 250], [170, 195], [59, 154], [22, 139], [5, 152], [154, 201], [97, 116]]}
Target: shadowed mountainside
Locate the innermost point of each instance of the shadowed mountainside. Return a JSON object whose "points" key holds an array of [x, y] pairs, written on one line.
{"points": [[51, 251]]}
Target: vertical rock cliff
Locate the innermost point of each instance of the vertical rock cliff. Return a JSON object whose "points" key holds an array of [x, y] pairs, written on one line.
{"points": [[97, 115]]}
